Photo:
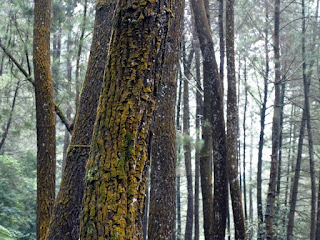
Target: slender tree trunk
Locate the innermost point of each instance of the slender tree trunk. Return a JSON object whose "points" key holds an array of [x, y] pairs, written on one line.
{"points": [[46, 122], [178, 209], [221, 43], [294, 190], [83, 29], [65, 222], [197, 157], [232, 126], [116, 170], [306, 84], [6, 130], [244, 142], [163, 160], [262, 126], [187, 144], [269, 215]]}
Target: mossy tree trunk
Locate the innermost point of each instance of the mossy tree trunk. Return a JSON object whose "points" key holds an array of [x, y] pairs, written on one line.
{"points": [[232, 126], [116, 170], [163, 153], [46, 122], [65, 222]]}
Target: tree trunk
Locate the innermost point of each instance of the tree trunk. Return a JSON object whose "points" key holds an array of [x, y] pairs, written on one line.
{"points": [[6, 130], [232, 126], [116, 170], [306, 84], [197, 154], [244, 142], [269, 215], [294, 190], [178, 209], [221, 43], [214, 114], [83, 29], [46, 122], [163, 153], [262, 125], [65, 222], [186, 142]]}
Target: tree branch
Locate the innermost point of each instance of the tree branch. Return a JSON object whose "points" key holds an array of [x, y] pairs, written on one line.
{"points": [[58, 111]]}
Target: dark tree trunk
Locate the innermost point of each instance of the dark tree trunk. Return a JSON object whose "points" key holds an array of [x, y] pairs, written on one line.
{"points": [[294, 189], [244, 142], [163, 152], [6, 130], [178, 209], [83, 29], [197, 154], [187, 144], [262, 126], [213, 114], [232, 126], [116, 170], [65, 222], [306, 84], [269, 215], [46, 122]]}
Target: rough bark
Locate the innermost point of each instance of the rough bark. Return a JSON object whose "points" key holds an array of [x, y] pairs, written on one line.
{"points": [[65, 222], [221, 43], [244, 143], [269, 215], [46, 122], [163, 152], [232, 126], [116, 170], [294, 189]]}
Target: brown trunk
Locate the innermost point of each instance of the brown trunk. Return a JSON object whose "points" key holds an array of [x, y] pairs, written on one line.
{"points": [[163, 153], [213, 113], [65, 222], [232, 126], [116, 170], [294, 190], [46, 122], [269, 215]]}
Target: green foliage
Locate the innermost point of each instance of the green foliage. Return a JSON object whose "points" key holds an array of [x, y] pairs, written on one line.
{"points": [[17, 197]]}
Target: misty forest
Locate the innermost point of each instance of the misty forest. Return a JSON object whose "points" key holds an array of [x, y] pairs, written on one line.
{"points": [[159, 120]]}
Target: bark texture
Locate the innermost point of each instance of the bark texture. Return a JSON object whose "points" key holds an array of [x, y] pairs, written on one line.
{"points": [[65, 222], [232, 126], [46, 122], [116, 170], [163, 152]]}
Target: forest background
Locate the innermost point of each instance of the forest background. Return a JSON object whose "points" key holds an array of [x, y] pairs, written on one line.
{"points": [[256, 73]]}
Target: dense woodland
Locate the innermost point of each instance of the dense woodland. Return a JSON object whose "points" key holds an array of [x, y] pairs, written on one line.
{"points": [[171, 119]]}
